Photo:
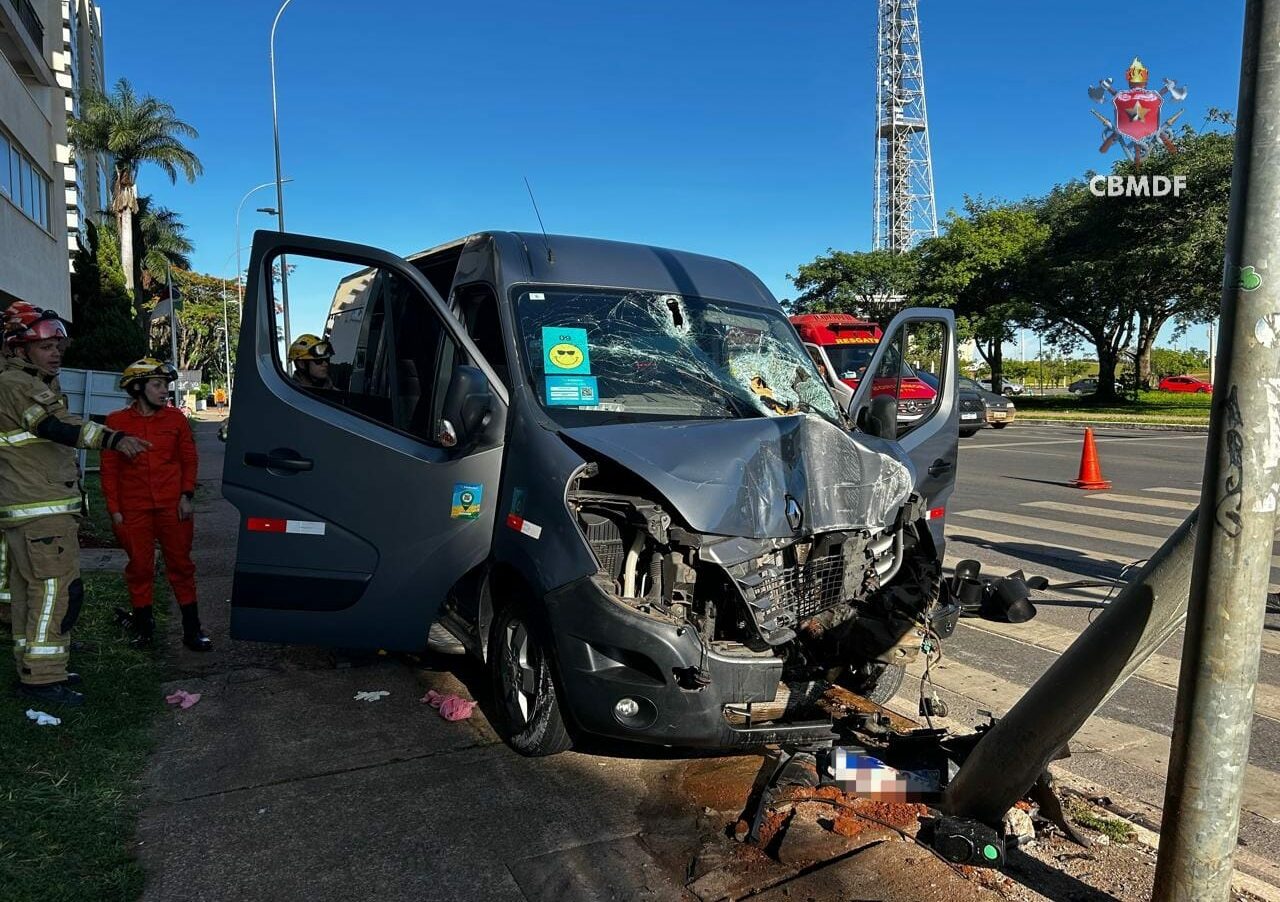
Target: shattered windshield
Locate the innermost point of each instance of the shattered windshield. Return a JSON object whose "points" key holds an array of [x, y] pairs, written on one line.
{"points": [[610, 352]]}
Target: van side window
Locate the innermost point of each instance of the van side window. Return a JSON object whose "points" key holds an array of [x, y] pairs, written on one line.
{"points": [[386, 343], [479, 311]]}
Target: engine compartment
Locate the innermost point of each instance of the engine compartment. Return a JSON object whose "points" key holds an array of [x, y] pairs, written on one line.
{"points": [[834, 606]]}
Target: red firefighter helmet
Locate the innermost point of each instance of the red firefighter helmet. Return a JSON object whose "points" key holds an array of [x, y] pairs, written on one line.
{"points": [[24, 327]]}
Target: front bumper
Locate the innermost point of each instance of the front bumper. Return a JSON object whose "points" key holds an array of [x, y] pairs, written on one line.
{"points": [[1004, 415], [607, 652]]}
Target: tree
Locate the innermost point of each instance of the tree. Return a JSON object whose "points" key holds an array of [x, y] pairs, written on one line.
{"points": [[1081, 292], [105, 334], [1171, 248], [1172, 362], [133, 131], [159, 239], [200, 336], [976, 266], [872, 285]]}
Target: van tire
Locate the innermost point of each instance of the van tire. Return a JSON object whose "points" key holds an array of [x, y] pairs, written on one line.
{"points": [[530, 721], [876, 682], [998, 425], [968, 433]]}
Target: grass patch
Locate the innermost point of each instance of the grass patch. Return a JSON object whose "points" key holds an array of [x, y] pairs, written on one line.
{"points": [[70, 795], [1151, 407], [1114, 829]]}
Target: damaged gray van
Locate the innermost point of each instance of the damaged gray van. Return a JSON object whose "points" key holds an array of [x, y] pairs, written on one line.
{"points": [[609, 470]]}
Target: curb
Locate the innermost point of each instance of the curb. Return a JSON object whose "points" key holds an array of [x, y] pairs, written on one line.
{"points": [[1129, 812], [1105, 424]]}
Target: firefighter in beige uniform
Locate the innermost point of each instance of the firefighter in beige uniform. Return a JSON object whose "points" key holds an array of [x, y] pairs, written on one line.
{"points": [[15, 314], [39, 502]]}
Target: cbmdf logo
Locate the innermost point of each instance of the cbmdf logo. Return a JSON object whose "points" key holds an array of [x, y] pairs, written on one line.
{"points": [[1136, 123]]}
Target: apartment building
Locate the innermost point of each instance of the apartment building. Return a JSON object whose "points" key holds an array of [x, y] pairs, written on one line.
{"points": [[33, 124], [79, 68]]}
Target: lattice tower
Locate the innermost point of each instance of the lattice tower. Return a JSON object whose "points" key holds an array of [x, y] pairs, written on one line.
{"points": [[905, 211]]}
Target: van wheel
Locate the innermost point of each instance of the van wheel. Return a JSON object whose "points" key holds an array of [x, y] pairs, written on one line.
{"points": [[876, 682], [998, 425], [528, 705], [968, 433]]}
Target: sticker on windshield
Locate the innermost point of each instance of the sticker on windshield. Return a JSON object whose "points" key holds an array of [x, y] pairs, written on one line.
{"points": [[466, 500], [572, 391], [564, 351]]}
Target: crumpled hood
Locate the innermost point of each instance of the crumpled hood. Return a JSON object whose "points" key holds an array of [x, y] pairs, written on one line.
{"points": [[732, 477]]}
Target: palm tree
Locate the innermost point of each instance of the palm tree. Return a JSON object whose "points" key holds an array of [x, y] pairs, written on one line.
{"points": [[159, 239], [133, 131]]}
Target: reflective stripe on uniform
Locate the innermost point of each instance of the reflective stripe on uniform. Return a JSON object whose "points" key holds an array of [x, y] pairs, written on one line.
{"points": [[20, 641], [47, 651], [91, 435], [46, 611], [39, 509], [16, 439], [33, 415], [4, 570]]}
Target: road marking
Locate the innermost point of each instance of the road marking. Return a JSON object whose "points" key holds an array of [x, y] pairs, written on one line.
{"points": [[1153, 519], [1134, 745], [1146, 501], [1167, 490], [1075, 529], [1072, 554], [1159, 669], [1076, 441]]}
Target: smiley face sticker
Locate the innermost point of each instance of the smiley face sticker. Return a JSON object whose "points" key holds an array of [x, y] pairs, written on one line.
{"points": [[565, 351]]}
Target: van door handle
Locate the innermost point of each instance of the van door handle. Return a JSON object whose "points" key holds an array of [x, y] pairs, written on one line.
{"points": [[939, 467], [278, 459]]}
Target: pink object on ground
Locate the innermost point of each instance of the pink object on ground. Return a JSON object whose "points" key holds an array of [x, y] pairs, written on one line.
{"points": [[451, 707], [182, 698]]}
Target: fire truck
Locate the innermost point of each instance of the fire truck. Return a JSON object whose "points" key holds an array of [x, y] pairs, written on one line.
{"points": [[842, 345]]}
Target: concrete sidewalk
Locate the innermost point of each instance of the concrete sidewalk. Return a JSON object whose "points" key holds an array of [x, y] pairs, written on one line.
{"points": [[278, 785]]}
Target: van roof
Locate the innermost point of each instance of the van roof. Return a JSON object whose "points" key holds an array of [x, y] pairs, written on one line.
{"points": [[618, 264]]}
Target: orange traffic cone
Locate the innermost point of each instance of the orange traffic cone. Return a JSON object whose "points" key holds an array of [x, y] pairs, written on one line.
{"points": [[1090, 472]]}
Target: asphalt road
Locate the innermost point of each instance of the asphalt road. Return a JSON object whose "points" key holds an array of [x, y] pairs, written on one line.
{"points": [[1013, 510]]}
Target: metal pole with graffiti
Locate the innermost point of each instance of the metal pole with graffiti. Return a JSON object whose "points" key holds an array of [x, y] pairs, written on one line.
{"points": [[1211, 729]]}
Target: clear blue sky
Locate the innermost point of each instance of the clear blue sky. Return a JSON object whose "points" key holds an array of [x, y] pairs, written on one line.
{"points": [[742, 130]]}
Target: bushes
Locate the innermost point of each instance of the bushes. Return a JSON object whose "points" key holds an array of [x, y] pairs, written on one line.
{"points": [[105, 334]]}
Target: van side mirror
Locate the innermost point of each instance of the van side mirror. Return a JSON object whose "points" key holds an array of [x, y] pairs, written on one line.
{"points": [[467, 405], [880, 417]]}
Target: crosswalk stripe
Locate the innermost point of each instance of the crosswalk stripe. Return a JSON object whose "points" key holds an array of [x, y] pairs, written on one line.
{"points": [[1071, 554], [1159, 669], [1144, 501], [1166, 490], [1107, 513], [1076, 529], [1138, 747]]}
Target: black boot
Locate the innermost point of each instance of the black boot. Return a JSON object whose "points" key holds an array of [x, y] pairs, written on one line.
{"points": [[193, 636], [141, 624], [54, 693]]}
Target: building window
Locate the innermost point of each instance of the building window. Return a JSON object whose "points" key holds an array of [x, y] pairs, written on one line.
{"points": [[23, 183]]}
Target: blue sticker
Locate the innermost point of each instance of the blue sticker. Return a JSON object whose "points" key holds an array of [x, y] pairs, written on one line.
{"points": [[565, 352], [572, 391], [466, 500]]}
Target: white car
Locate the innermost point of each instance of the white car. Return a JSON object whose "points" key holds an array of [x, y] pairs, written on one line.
{"points": [[1010, 388]]}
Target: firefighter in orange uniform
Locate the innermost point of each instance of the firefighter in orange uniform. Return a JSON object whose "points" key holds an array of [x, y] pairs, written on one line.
{"points": [[150, 499], [39, 502]]}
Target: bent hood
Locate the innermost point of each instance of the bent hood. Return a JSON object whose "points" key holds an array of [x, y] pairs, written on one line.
{"points": [[732, 477]]}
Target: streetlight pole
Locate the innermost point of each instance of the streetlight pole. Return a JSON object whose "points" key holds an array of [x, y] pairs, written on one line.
{"points": [[173, 326], [226, 342], [239, 265], [275, 127]]}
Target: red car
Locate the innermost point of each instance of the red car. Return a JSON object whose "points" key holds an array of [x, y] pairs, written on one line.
{"points": [[1185, 383]]}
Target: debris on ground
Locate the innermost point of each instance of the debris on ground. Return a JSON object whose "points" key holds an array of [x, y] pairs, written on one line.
{"points": [[451, 707], [42, 719], [182, 698], [370, 695]]}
